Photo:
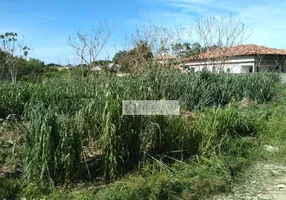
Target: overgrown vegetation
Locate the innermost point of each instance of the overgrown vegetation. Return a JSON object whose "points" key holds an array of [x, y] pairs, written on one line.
{"points": [[63, 134], [72, 130]]}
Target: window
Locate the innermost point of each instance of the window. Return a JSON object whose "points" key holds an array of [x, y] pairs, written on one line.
{"points": [[246, 68]]}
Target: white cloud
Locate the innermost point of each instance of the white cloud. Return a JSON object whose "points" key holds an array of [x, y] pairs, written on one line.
{"points": [[185, 7]]}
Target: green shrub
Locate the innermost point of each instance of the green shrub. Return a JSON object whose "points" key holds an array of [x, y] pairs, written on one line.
{"points": [[9, 189]]}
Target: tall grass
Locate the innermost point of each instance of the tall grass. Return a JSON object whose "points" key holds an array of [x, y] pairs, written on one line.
{"points": [[53, 147], [67, 117]]}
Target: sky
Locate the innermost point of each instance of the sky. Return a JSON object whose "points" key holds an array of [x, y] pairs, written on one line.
{"points": [[47, 24]]}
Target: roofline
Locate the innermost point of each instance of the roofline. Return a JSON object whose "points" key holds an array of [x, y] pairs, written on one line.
{"points": [[241, 55]]}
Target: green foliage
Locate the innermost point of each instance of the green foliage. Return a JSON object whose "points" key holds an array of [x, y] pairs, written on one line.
{"points": [[187, 50], [234, 125], [53, 147], [53, 65], [14, 52], [205, 176], [183, 181], [102, 63], [35, 191], [9, 189], [71, 123], [9, 36], [269, 120], [80, 70], [137, 59], [31, 70], [118, 56]]}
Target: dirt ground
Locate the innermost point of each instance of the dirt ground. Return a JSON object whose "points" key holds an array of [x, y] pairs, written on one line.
{"points": [[265, 182]]}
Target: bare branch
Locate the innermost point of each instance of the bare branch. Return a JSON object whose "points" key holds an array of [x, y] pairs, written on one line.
{"points": [[88, 46], [221, 33]]}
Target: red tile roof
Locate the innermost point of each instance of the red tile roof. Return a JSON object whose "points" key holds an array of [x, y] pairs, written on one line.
{"points": [[242, 50]]}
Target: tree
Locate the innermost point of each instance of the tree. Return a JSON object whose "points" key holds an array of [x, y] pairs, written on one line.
{"points": [[118, 56], [14, 51], [159, 38], [89, 46], [31, 69], [53, 65], [3, 68], [186, 50], [136, 60], [220, 34]]}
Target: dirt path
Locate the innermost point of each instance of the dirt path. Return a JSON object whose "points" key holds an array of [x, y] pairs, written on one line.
{"points": [[265, 181]]}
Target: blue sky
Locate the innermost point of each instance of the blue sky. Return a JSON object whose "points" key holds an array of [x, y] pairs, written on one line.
{"points": [[46, 24]]}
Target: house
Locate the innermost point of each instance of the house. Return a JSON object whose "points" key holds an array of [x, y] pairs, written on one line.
{"points": [[96, 69], [238, 59], [113, 67], [66, 68]]}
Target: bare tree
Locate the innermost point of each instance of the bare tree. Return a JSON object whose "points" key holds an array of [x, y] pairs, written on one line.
{"points": [[158, 39], [218, 35], [279, 61], [275, 62], [14, 49], [88, 46]]}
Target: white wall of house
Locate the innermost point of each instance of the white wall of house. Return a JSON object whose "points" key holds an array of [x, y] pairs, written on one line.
{"points": [[234, 65], [241, 65]]}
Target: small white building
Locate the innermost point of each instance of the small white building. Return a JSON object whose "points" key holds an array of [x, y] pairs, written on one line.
{"points": [[238, 59], [113, 67], [96, 69]]}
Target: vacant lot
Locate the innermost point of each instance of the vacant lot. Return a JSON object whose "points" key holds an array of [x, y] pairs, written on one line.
{"points": [[66, 137]]}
